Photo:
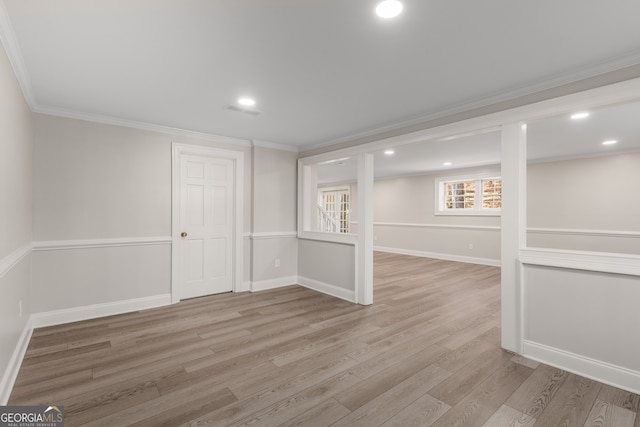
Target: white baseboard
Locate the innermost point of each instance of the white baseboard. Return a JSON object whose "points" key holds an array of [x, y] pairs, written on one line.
{"points": [[246, 286], [603, 372], [436, 255], [263, 285], [58, 317], [11, 373], [328, 289]]}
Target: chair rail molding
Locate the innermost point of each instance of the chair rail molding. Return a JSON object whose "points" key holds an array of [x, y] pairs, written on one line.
{"points": [[52, 245], [8, 262]]}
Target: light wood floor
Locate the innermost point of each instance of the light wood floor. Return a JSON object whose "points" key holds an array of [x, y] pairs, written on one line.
{"points": [[427, 353]]}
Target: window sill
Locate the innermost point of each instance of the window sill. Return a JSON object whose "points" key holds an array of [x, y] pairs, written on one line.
{"points": [[467, 213]]}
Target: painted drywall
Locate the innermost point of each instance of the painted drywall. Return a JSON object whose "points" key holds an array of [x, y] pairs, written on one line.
{"points": [[581, 204], [405, 221], [274, 261], [274, 243], [327, 262], [597, 195], [100, 181], [274, 190], [16, 146], [590, 314], [14, 285], [94, 181], [72, 278]]}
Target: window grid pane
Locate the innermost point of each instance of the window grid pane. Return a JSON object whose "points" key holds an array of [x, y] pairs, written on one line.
{"points": [[344, 213], [460, 195], [492, 194], [336, 206]]}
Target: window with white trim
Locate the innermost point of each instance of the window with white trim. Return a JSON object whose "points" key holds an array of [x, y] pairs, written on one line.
{"points": [[333, 210], [472, 195]]}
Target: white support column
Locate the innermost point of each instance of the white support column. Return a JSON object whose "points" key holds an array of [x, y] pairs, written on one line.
{"points": [[307, 197], [364, 248], [514, 229]]}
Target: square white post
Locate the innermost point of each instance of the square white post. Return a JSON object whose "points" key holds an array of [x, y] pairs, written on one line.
{"points": [[307, 197], [514, 230], [364, 248]]}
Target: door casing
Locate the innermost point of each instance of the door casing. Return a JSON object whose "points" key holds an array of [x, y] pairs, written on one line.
{"points": [[237, 157]]}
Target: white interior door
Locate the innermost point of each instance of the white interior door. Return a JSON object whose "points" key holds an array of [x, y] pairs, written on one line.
{"points": [[206, 225]]}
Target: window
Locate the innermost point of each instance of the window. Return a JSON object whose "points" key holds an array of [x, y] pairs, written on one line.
{"points": [[333, 210], [469, 196]]}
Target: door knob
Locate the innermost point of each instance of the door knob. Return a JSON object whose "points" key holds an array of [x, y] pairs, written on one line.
{"points": [[183, 234]]}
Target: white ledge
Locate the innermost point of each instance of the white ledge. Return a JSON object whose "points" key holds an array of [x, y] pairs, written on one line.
{"points": [[580, 260], [585, 232], [274, 235], [347, 239], [450, 226]]}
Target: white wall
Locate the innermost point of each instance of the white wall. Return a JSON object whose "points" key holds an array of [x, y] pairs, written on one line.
{"points": [[585, 204], [274, 218], [102, 222], [16, 148]]}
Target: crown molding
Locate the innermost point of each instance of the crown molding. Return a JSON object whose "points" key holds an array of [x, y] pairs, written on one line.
{"points": [[274, 146], [8, 40], [534, 87], [116, 121]]}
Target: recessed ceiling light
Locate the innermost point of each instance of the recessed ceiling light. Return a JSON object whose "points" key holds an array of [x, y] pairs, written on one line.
{"points": [[389, 152], [580, 115], [610, 142], [447, 164], [389, 9], [247, 102]]}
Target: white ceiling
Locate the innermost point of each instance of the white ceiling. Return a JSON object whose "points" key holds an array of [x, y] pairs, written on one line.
{"points": [[322, 71]]}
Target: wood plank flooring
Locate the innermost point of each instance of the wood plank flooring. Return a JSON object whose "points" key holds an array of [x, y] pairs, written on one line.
{"points": [[427, 353]]}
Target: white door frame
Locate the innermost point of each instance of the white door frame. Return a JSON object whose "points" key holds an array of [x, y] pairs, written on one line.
{"points": [[178, 150]]}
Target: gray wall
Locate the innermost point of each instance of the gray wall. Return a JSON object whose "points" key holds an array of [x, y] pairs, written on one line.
{"points": [[274, 190], [405, 221], [274, 218], [583, 321], [582, 204], [101, 181], [97, 181], [585, 204], [327, 263], [16, 148]]}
